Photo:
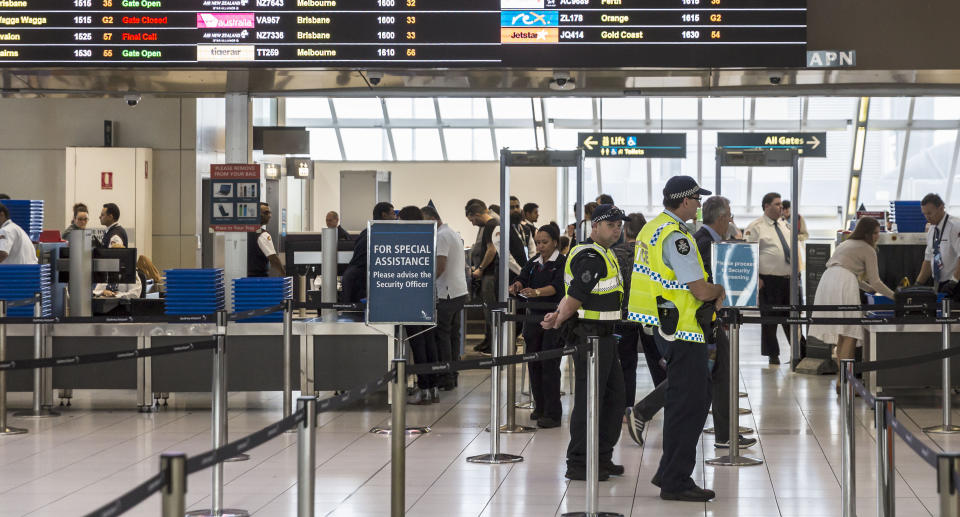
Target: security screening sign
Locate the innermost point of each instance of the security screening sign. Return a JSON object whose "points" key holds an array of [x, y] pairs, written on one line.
{"points": [[400, 272], [736, 267], [813, 145], [633, 145]]}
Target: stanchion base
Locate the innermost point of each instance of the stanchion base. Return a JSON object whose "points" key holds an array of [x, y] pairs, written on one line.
{"points": [[226, 512], [742, 394], [942, 429], [524, 405], [387, 430], [238, 457], [494, 459], [744, 411], [29, 413], [598, 514], [525, 393], [12, 430], [517, 428], [743, 430], [153, 408], [734, 461]]}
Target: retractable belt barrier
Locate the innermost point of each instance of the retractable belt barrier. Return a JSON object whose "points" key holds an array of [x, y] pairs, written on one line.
{"points": [[483, 364], [104, 357], [193, 318], [20, 303], [235, 448]]}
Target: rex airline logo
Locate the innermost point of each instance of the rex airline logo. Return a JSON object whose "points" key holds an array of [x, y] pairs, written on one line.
{"points": [[529, 19]]}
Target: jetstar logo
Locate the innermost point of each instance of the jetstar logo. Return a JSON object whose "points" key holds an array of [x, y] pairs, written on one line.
{"points": [[546, 35]]}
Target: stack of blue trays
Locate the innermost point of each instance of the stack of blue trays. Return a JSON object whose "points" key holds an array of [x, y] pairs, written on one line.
{"points": [[27, 214], [908, 216], [21, 281], [260, 293], [193, 291]]}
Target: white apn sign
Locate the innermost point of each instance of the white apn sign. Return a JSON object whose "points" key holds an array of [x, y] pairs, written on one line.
{"points": [[831, 58]]}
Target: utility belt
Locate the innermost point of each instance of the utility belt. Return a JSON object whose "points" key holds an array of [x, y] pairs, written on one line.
{"points": [[669, 317]]}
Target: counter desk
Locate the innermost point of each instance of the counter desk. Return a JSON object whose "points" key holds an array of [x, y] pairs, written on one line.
{"points": [[886, 342], [324, 356]]}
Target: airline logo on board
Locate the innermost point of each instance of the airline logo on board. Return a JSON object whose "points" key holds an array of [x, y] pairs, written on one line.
{"points": [[529, 19], [543, 35]]}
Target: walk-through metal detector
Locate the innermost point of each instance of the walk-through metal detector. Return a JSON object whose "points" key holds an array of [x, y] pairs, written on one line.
{"points": [[763, 157], [510, 158]]}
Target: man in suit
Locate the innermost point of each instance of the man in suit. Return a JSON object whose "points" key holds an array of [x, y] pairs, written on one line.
{"points": [[110, 217], [716, 222]]}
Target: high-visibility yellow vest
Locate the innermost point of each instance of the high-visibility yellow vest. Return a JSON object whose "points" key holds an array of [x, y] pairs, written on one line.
{"points": [[652, 278], [606, 299]]}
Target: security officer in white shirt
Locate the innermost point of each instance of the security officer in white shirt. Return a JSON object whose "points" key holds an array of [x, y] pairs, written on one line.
{"points": [[15, 244], [774, 237], [942, 255]]}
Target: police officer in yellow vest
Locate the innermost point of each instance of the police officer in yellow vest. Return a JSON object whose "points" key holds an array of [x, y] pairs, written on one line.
{"points": [[591, 307], [669, 290]]}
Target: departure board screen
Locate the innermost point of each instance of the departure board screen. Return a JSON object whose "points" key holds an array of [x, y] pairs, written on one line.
{"points": [[403, 33]]}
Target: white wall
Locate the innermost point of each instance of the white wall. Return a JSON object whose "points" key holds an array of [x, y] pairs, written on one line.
{"points": [[33, 159], [449, 184]]}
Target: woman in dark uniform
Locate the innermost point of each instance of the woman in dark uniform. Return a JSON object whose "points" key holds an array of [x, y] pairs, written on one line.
{"points": [[541, 280]]}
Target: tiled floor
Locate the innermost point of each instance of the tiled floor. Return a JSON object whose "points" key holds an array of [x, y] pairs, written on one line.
{"points": [[73, 464]]}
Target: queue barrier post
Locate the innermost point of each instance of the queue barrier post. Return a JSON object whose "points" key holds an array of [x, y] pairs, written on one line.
{"points": [[495, 457], [593, 435], [733, 457], [306, 456], [287, 354], [886, 476], [848, 475], [219, 424], [37, 410], [398, 415], [4, 428], [510, 328], [946, 426], [948, 465], [173, 497]]}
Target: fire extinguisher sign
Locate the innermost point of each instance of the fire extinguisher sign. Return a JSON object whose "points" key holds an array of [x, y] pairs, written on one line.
{"points": [[106, 180]]}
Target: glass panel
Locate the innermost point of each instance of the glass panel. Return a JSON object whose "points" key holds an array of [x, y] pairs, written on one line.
{"points": [[766, 180], [365, 144], [403, 143], [825, 180], [418, 108], [426, 144], [512, 109], [937, 108], [829, 108], [928, 163], [351, 108], [889, 108], [570, 107], [589, 186], [881, 168], [673, 108], [468, 144], [519, 139], [779, 108], [563, 138], [709, 167], [626, 181], [630, 108], [463, 108], [308, 107], [725, 108], [323, 144]]}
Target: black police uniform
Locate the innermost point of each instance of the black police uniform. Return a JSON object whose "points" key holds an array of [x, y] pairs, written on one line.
{"points": [[587, 268], [258, 265]]}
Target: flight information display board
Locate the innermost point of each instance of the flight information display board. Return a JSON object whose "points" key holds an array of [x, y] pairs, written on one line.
{"points": [[404, 33]]}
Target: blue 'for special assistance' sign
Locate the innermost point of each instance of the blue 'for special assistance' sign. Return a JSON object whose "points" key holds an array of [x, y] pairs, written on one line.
{"points": [[400, 272]]}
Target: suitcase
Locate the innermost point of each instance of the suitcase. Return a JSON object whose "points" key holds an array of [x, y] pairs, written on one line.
{"points": [[923, 301]]}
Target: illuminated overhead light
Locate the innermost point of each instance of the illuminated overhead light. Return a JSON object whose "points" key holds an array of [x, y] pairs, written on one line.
{"points": [[858, 149], [854, 195], [864, 109]]}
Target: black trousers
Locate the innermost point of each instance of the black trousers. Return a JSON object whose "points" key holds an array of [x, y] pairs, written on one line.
{"points": [[544, 375], [447, 333], [610, 394], [650, 405], [776, 291], [652, 354], [488, 294], [627, 352], [424, 352], [685, 412]]}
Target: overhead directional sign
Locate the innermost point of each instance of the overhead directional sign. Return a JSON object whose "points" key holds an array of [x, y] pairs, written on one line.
{"points": [[814, 145], [634, 145]]}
